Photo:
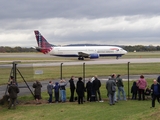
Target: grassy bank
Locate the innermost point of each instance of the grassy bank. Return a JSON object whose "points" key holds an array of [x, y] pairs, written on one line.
{"points": [[123, 110]]}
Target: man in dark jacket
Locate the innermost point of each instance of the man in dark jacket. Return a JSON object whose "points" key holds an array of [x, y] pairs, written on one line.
{"points": [[155, 88], [13, 90], [80, 90], [50, 92], [72, 89], [37, 91], [120, 88], [158, 79], [96, 86], [89, 88], [111, 89]]}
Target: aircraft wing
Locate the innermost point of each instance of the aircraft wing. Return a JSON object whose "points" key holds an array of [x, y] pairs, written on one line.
{"points": [[82, 54]]}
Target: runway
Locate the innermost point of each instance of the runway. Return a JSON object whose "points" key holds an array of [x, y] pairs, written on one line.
{"points": [[101, 61], [25, 91], [36, 63]]}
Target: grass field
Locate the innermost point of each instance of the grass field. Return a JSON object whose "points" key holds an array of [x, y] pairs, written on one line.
{"points": [[54, 72], [123, 110]]}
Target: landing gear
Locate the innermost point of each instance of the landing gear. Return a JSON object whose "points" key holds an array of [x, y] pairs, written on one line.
{"points": [[80, 58], [117, 57]]}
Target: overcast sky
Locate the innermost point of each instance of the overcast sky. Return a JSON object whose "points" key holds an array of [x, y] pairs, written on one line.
{"points": [[61, 22]]}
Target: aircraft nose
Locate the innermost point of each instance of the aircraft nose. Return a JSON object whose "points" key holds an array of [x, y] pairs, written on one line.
{"points": [[125, 52]]}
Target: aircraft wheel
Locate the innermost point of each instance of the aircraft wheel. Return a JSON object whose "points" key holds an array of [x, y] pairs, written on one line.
{"points": [[117, 57]]}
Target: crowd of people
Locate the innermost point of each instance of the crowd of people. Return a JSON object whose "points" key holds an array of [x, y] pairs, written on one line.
{"points": [[92, 88], [140, 88], [114, 87]]}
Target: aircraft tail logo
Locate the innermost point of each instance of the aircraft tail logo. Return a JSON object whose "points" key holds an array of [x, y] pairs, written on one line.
{"points": [[43, 45]]}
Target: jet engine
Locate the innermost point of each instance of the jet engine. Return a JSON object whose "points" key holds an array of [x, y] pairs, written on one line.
{"points": [[94, 56]]}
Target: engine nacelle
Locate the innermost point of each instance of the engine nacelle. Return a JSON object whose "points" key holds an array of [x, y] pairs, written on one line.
{"points": [[94, 56]]}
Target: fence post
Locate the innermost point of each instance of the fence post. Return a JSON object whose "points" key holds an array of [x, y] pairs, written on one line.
{"points": [[128, 81], [84, 73], [61, 70]]}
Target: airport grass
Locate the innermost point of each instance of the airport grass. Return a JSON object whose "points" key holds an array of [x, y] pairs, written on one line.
{"points": [[39, 57], [54, 72], [123, 110]]}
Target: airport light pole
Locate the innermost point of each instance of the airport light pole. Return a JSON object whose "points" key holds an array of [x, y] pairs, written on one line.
{"points": [[61, 70], [84, 73], [128, 80], [84, 78]]}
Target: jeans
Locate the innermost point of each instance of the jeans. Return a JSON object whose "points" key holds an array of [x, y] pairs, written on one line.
{"points": [[111, 99], [115, 96], [99, 94], [12, 101], [56, 95], [50, 98], [121, 89], [72, 95], [63, 95], [141, 94], [154, 98]]}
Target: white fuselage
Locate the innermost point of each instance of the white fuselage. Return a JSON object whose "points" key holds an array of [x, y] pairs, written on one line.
{"points": [[70, 51]]}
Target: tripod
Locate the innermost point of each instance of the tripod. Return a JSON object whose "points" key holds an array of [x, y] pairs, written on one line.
{"points": [[13, 73]]}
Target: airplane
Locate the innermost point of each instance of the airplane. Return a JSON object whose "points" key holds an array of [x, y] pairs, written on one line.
{"points": [[81, 52]]}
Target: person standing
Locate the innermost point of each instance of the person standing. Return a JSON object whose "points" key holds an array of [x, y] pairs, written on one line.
{"points": [[134, 90], [89, 88], [80, 90], [120, 88], [72, 88], [62, 85], [13, 90], [37, 91], [158, 79], [142, 84], [56, 91], [96, 87], [111, 89], [50, 91], [155, 88], [113, 77], [93, 92]]}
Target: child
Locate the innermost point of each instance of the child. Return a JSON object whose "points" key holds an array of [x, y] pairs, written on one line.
{"points": [[134, 90], [56, 91]]}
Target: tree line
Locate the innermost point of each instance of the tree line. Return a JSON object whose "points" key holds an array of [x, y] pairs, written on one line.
{"points": [[141, 48], [15, 49], [137, 48]]}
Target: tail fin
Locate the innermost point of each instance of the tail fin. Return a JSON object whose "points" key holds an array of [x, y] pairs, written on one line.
{"points": [[43, 45]]}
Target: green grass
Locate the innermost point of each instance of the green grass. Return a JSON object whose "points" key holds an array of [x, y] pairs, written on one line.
{"points": [[123, 110], [130, 110], [53, 72]]}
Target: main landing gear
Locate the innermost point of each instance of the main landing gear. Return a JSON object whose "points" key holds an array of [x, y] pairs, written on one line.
{"points": [[117, 57], [80, 58]]}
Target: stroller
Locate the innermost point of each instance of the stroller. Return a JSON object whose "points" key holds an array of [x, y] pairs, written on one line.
{"points": [[148, 93]]}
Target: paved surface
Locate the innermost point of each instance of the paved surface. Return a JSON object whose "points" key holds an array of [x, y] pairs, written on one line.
{"points": [[25, 91]]}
